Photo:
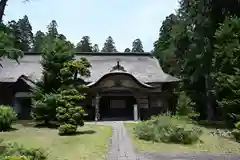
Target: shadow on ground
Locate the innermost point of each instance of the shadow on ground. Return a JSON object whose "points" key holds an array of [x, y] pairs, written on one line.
{"points": [[80, 133], [213, 124], [10, 129], [187, 156], [29, 123]]}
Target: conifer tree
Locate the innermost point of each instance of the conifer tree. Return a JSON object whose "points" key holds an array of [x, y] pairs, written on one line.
{"points": [[58, 94]]}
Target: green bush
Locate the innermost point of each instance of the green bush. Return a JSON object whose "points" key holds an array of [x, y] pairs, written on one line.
{"points": [[16, 158], [7, 116], [237, 125], [184, 105], [67, 129], [236, 131], [168, 130], [236, 134], [232, 119], [44, 109], [13, 151], [69, 114]]}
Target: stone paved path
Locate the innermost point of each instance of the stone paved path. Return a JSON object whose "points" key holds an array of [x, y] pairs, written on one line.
{"points": [[121, 148]]}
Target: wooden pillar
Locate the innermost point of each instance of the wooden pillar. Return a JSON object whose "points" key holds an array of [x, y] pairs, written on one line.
{"points": [[135, 112], [137, 107], [97, 114]]}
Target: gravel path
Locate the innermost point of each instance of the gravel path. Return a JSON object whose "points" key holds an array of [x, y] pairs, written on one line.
{"points": [[121, 148]]}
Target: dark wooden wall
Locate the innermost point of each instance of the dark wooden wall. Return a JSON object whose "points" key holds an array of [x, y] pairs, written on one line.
{"points": [[6, 93]]}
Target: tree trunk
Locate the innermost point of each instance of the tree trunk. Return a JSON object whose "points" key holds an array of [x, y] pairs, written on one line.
{"points": [[210, 110], [3, 4]]}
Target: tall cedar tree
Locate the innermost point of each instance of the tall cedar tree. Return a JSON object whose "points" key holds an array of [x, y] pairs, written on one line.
{"points": [[16, 33], [52, 29], [95, 48], [84, 45], [192, 45], [38, 41], [127, 50], [164, 48], [7, 49], [3, 4], [109, 45], [26, 34], [226, 66], [22, 33], [137, 46]]}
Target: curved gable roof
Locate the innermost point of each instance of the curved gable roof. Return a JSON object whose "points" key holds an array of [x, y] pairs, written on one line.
{"points": [[119, 73], [144, 67]]}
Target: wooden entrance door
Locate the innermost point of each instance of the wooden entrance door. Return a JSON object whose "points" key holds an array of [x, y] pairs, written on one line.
{"points": [[113, 106]]}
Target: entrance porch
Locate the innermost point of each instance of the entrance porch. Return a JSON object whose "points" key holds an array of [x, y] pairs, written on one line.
{"points": [[119, 95], [117, 106]]}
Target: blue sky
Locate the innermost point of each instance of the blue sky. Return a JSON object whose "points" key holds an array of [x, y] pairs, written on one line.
{"points": [[124, 20]]}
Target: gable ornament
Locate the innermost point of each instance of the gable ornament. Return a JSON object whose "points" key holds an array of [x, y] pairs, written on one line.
{"points": [[118, 67]]}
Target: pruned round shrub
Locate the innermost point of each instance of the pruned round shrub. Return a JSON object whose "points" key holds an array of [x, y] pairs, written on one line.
{"points": [[168, 130], [7, 116], [67, 129]]}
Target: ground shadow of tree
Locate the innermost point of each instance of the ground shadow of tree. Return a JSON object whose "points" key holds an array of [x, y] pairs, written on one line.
{"points": [[30, 123], [81, 133], [213, 124], [10, 129]]}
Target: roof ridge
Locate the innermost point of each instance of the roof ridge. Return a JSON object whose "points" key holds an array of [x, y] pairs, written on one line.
{"points": [[102, 53]]}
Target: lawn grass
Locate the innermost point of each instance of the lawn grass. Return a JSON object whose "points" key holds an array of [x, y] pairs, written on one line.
{"points": [[208, 143], [90, 144]]}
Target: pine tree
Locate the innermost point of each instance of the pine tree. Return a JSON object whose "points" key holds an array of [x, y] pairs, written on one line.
{"points": [[58, 94], [69, 112], [54, 57]]}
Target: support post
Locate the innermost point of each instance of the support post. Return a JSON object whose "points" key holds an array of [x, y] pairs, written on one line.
{"points": [[135, 107], [97, 114]]}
